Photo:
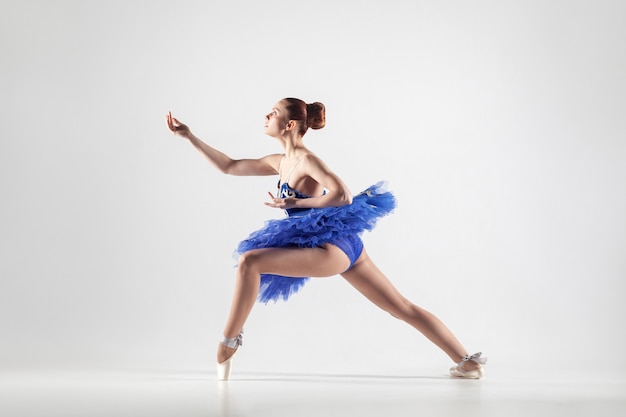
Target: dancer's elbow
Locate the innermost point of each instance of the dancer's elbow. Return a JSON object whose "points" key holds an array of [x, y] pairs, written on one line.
{"points": [[344, 198]]}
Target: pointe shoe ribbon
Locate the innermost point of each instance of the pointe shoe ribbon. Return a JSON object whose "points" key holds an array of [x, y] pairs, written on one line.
{"points": [[233, 342], [476, 357]]}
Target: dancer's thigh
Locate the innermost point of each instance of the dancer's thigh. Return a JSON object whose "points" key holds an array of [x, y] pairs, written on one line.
{"points": [[323, 261]]}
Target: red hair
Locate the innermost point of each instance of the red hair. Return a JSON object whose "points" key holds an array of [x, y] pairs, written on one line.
{"points": [[311, 115]]}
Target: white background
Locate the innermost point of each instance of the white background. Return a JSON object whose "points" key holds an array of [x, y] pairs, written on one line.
{"points": [[499, 125]]}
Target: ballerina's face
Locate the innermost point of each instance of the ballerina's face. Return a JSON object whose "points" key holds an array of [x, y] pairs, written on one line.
{"points": [[276, 120]]}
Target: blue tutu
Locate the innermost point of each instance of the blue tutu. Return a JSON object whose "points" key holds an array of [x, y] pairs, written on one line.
{"points": [[315, 227]]}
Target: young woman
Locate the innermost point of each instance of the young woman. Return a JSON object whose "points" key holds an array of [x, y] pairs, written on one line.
{"points": [[318, 238]]}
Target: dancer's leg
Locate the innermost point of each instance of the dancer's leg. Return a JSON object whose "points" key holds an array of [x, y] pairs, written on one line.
{"points": [[373, 284], [295, 262]]}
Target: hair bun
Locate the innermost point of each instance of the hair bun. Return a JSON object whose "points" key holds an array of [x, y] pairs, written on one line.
{"points": [[315, 115]]}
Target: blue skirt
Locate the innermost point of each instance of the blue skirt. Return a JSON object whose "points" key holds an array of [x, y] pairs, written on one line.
{"points": [[313, 228]]}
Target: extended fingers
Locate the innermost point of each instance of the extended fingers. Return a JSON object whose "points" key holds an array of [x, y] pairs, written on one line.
{"points": [[168, 120], [172, 122], [275, 201]]}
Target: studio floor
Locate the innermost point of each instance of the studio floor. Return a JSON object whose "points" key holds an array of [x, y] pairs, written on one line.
{"points": [[195, 393]]}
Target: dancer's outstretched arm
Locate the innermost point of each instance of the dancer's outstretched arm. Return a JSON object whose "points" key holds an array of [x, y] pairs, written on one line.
{"points": [[267, 165]]}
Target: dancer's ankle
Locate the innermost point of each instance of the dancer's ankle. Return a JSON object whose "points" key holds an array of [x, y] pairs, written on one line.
{"points": [[228, 346]]}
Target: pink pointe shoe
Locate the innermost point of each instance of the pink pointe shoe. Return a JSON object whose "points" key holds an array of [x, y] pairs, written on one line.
{"points": [[224, 368], [459, 372]]}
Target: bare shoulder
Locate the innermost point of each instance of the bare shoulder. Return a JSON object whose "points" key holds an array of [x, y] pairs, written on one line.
{"points": [[312, 161]]}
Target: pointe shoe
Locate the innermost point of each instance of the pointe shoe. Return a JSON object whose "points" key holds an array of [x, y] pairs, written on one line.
{"points": [[458, 371], [224, 368]]}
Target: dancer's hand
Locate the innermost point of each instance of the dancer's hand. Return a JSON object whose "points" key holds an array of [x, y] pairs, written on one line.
{"points": [[176, 127], [281, 203]]}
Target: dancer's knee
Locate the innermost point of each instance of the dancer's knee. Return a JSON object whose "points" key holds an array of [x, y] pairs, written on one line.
{"points": [[247, 262], [404, 310]]}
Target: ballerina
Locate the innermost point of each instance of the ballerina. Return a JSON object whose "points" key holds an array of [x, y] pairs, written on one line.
{"points": [[319, 237]]}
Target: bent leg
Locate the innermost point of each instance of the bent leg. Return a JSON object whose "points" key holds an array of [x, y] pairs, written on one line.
{"points": [[373, 284], [294, 262]]}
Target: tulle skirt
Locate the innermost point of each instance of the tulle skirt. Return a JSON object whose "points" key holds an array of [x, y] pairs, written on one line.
{"points": [[316, 227]]}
